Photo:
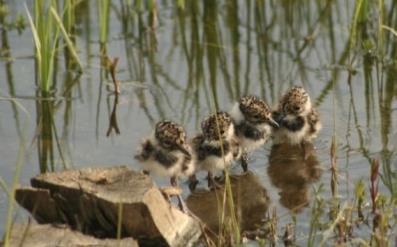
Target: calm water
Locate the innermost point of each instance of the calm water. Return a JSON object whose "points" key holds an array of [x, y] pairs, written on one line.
{"points": [[173, 70]]}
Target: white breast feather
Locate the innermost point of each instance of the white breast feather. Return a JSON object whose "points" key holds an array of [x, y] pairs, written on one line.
{"points": [[214, 163], [153, 166], [282, 135], [236, 114], [250, 145]]}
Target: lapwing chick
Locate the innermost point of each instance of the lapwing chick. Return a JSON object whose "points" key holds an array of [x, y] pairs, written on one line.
{"points": [[166, 153], [254, 125], [215, 147], [299, 121]]}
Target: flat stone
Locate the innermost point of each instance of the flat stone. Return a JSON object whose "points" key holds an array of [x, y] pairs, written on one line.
{"points": [[89, 200]]}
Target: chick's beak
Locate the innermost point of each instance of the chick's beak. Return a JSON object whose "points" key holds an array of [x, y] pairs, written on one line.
{"points": [[273, 123], [183, 149]]}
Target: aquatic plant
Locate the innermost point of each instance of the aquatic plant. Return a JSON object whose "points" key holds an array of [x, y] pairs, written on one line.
{"points": [[46, 27], [103, 15], [10, 191]]}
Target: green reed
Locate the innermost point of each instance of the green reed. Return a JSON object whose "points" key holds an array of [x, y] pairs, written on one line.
{"points": [[69, 43], [45, 36], [69, 17], [316, 212], [103, 15], [11, 191], [69, 22], [360, 16], [48, 29], [229, 226]]}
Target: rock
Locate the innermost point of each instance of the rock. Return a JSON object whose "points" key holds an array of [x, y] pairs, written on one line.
{"points": [[89, 200], [34, 235]]}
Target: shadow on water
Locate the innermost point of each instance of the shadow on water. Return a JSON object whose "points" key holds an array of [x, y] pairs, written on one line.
{"points": [[293, 173], [250, 197]]}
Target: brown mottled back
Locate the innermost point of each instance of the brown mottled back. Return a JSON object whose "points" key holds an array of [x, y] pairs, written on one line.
{"points": [[209, 126], [254, 109], [170, 134]]}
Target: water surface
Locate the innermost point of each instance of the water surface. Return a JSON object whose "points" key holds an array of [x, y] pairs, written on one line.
{"points": [[189, 60]]}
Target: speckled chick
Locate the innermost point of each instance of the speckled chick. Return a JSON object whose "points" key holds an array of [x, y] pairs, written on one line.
{"points": [[215, 148], [166, 152], [299, 121], [254, 124]]}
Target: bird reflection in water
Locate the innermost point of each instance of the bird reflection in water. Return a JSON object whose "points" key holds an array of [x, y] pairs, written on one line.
{"points": [[250, 198], [293, 173]]}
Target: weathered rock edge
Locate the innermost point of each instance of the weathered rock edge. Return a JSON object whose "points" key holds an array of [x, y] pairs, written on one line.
{"points": [[35, 235]]}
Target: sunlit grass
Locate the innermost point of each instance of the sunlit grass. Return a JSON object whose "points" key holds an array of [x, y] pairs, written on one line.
{"points": [[45, 36], [46, 27], [66, 37], [69, 18], [394, 32], [103, 15]]}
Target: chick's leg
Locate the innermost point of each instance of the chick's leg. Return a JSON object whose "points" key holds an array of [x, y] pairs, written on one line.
{"points": [[181, 202]]}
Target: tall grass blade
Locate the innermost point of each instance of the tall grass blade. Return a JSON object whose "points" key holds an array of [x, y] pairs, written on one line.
{"points": [[394, 32], [356, 18], [35, 36], [69, 42], [103, 9], [11, 193], [45, 36]]}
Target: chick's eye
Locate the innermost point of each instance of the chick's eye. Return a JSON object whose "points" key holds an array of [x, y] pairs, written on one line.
{"points": [[297, 108]]}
